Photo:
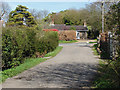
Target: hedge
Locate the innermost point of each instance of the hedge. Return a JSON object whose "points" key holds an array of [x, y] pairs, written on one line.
{"points": [[20, 43]]}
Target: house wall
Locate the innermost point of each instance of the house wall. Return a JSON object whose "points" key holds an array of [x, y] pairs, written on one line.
{"points": [[82, 35], [67, 35], [71, 35]]}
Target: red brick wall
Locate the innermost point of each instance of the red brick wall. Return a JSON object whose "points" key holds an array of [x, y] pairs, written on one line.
{"points": [[67, 35]]}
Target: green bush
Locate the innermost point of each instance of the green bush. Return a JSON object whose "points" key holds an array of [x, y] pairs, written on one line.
{"points": [[19, 43], [48, 42]]}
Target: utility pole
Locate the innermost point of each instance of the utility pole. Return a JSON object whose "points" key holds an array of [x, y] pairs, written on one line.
{"points": [[102, 16]]}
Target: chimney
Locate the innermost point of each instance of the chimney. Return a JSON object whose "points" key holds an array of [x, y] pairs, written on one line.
{"points": [[52, 22], [85, 24]]}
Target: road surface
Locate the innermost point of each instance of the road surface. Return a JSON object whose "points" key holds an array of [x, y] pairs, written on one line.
{"points": [[74, 67]]}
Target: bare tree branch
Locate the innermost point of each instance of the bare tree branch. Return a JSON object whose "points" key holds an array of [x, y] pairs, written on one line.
{"points": [[4, 12]]}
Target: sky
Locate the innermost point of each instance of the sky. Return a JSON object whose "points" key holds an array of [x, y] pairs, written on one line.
{"points": [[49, 0], [49, 5]]}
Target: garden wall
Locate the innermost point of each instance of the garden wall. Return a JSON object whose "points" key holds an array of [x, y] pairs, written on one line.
{"points": [[67, 35]]}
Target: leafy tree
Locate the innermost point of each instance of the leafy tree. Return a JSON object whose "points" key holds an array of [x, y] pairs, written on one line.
{"points": [[49, 17], [20, 16], [58, 18], [112, 19]]}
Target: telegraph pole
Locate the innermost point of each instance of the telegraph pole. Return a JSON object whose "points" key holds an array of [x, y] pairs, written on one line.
{"points": [[102, 16]]}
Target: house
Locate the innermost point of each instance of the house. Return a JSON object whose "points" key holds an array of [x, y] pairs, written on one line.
{"points": [[81, 30]]}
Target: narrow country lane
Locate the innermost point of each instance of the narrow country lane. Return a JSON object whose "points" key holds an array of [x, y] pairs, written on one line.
{"points": [[73, 67]]}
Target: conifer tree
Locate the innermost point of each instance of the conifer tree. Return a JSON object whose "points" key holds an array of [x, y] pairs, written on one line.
{"points": [[20, 16]]}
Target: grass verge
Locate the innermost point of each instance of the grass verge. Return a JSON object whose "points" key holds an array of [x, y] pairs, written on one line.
{"points": [[95, 49], [92, 42], [72, 41], [54, 53], [30, 62], [106, 77]]}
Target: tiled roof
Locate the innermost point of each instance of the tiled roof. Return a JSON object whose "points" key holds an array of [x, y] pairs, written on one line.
{"points": [[68, 27], [59, 26]]}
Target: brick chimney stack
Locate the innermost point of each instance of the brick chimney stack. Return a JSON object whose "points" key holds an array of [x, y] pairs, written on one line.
{"points": [[85, 24], [52, 21]]}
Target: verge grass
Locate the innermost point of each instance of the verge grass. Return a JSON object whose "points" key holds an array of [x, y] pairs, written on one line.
{"points": [[72, 41], [54, 53], [29, 63], [106, 75], [92, 42], [95, 50]]}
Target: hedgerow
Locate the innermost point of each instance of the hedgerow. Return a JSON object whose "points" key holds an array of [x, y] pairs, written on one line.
{"points": [[20, 43]]}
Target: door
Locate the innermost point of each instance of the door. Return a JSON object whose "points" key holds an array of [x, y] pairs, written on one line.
{"points": [[78, 35]]}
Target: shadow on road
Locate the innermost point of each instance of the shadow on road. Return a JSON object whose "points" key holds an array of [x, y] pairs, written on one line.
{"points": [[65, 75]]}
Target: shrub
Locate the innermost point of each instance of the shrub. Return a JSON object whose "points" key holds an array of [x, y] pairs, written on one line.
{"points": [[47, 43], [19, 43], [93, 34], [14, 41]]}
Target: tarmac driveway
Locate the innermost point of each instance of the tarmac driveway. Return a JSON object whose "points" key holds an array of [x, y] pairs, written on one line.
{"points": [[73, 67]]}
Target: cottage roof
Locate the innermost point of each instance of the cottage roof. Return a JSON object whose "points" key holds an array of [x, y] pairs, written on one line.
{"points": [[68, 27], [59, 26]]}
